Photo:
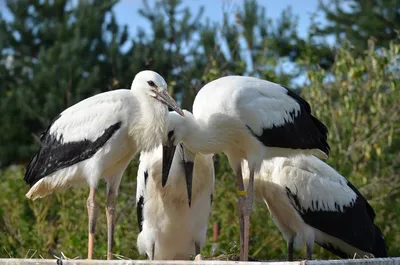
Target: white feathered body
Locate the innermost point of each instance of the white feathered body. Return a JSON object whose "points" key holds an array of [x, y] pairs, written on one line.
{"points": [[230, 111], [295, 188], [168, 222], [142, 127]]}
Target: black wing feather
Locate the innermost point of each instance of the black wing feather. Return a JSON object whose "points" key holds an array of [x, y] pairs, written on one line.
{"points": [[306, 132], [140, 205], [354, 225], [54, 154]]}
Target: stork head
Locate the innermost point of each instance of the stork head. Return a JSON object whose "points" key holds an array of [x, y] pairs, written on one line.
{"points": [[153, 85], [177, 130]]}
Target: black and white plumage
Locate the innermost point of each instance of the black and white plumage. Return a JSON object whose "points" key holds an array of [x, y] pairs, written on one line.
{"points": [[311, 202], [169, 228], [96, 139], [249, 119]]}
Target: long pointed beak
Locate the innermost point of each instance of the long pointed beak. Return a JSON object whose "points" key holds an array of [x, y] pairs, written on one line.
{"points": [[168, 155], [188, 166], [166, 99]]}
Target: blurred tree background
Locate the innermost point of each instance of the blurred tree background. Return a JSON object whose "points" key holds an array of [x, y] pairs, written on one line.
{"points": [[56, 53]]}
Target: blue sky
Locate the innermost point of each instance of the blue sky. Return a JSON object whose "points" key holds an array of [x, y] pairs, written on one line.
{"points": [[126, 10]]}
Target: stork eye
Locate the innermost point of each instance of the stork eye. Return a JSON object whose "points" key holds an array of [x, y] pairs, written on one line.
{"points": [[151, 83]]}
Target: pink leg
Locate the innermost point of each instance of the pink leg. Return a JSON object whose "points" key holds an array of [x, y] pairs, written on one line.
{"points": [[92, 213]]}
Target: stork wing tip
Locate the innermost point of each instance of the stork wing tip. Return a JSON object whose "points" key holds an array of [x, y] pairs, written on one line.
{"points": [[320, 154]]}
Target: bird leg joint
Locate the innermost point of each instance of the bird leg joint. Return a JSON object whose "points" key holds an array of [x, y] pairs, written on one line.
{"points": [[92, 211], [110, 210], [110, 205], [248, 205], [91, 204]]}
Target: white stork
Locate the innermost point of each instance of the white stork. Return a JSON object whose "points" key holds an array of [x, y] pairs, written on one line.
{"points": [[96, 139], [170, 229], [248, 119], [311, 202]]}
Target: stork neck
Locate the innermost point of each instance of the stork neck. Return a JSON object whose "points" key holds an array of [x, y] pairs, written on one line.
{"points": [[202, 139], [153, 123]]}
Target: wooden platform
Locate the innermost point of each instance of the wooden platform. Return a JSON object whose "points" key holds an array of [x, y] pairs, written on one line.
{"points": [[385, 261]]}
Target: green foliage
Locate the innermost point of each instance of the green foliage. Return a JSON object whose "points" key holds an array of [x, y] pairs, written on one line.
{"points": [[60, 55], [358, 20], [358, 102]]}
